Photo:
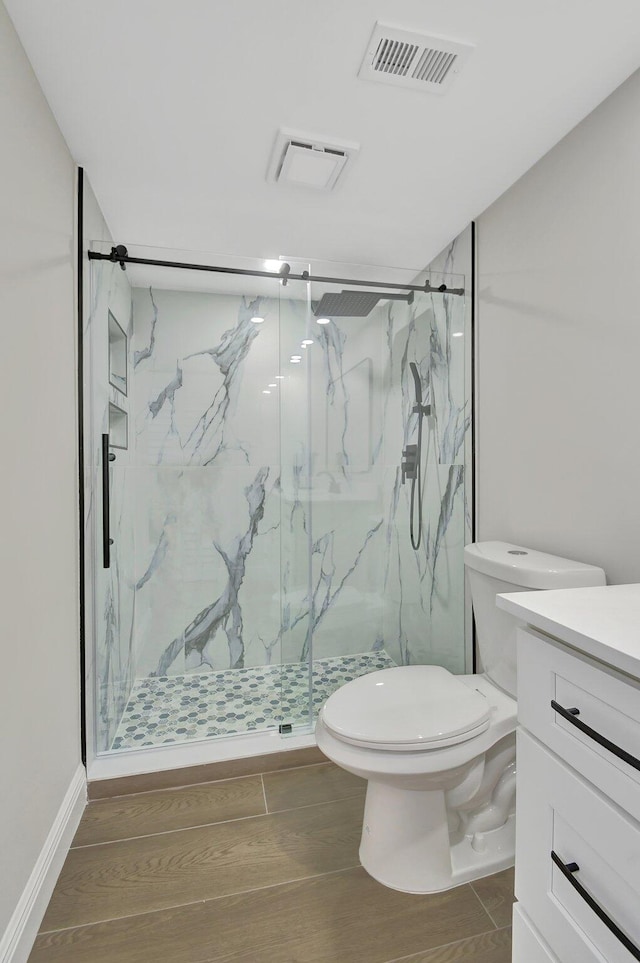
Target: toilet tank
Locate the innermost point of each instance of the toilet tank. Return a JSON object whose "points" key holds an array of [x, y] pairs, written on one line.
{"points": [[497, 567]]}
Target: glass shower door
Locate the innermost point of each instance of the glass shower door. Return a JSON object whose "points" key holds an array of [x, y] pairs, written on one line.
{"points": [[424, 594], [187, 617], [207, 496], [346, 365], [357, 596]]}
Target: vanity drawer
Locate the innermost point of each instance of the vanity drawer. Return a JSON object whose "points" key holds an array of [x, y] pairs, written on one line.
{"points": [[577, 897], [602, 740], [527, 944]]}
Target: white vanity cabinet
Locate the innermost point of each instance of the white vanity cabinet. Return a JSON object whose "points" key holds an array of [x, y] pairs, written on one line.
{"points": [[578, 777]]}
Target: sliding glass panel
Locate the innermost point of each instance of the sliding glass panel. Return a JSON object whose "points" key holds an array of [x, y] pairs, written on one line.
{"points": [[347, 370], [423, 588], [199, 544], [206, 544], [372, 600]]}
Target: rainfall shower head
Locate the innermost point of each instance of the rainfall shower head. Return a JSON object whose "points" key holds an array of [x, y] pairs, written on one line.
{"points": [[347, 304], [354, 304]]}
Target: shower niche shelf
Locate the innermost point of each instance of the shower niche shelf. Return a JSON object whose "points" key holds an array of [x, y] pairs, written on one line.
{"points": [[118, 430], [117, 356]]}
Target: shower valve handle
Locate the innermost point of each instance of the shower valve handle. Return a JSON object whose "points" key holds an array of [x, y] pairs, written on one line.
{"points": [[410, 464]]}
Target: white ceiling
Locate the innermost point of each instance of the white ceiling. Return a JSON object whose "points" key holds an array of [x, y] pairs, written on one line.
{"points": [[172, 107]]}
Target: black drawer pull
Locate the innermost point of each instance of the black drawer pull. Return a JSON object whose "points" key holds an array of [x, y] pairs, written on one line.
{"points": [[571, 715], [567, 870]]}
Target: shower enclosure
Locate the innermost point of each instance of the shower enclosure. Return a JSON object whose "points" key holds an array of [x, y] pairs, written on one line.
{"points": [[248, 538]]}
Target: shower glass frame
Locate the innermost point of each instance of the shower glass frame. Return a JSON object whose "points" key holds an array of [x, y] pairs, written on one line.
{"points": [[335, 424]]}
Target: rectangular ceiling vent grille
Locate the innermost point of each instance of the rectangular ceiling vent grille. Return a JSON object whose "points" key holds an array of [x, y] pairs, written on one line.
{"points": [[412, 60]]}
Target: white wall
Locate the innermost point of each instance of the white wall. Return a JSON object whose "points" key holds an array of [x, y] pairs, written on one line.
{"points": [[559, 348], [39, 682]]}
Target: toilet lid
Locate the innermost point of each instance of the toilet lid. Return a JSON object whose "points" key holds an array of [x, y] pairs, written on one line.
{"points": [[407, 707]]}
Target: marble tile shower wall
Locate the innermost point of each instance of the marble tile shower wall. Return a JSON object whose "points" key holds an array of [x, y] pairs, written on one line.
{"points": [[207, 482], [235, 488]]}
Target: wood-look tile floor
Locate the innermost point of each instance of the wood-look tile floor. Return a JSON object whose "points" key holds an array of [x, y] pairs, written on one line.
{"points": [[258, 869]]}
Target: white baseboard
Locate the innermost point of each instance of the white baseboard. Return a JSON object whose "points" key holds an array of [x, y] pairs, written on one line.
{"points": [[18, 939]]}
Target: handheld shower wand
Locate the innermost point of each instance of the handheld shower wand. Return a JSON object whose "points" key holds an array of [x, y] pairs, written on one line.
{"points": [[417, 382], [412, 454], [418, 408]]}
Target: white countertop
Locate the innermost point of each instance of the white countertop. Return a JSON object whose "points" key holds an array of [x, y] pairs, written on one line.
{"points": [[603, 622]]}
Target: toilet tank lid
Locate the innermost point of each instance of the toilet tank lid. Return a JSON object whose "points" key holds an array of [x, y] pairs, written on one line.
{"points": [[527, 568]]}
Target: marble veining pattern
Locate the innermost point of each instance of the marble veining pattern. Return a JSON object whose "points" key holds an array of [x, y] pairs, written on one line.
{"points": [[225, 613], [169, 709], [143, 353], [207, 440]]}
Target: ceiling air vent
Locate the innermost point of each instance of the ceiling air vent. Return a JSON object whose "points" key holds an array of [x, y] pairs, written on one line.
{"points": [[412, 60]]}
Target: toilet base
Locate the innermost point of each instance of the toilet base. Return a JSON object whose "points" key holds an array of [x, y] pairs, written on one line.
{"points": [[406, 845]]}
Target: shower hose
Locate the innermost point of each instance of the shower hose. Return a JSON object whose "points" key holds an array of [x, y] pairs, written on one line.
{"points": [[417, 480]]}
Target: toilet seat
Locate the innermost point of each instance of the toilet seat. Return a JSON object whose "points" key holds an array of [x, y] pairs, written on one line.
{"points": [[407, 708]]}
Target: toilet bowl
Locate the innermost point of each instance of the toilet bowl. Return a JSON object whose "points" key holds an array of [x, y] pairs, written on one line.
{"points": [[428, 781], [438, 750]]}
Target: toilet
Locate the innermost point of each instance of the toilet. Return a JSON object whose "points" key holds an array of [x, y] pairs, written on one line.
{"points": [[437, 749]]}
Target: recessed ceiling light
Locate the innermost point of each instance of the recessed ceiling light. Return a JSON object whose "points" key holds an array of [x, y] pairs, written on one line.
{"points": [[457, 334], [306, 342], [296, 357], [295, 360], [265, 391], [273, 385], [279, 377], [257, 320], [323, 320]]}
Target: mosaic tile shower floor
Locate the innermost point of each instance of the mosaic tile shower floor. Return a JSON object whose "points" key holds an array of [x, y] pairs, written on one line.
{"points": [[169, 709]]}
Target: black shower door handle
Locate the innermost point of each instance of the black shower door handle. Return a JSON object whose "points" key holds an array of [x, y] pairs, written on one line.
{"points": [[571, 716], [567, 870], [106, 541]]}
